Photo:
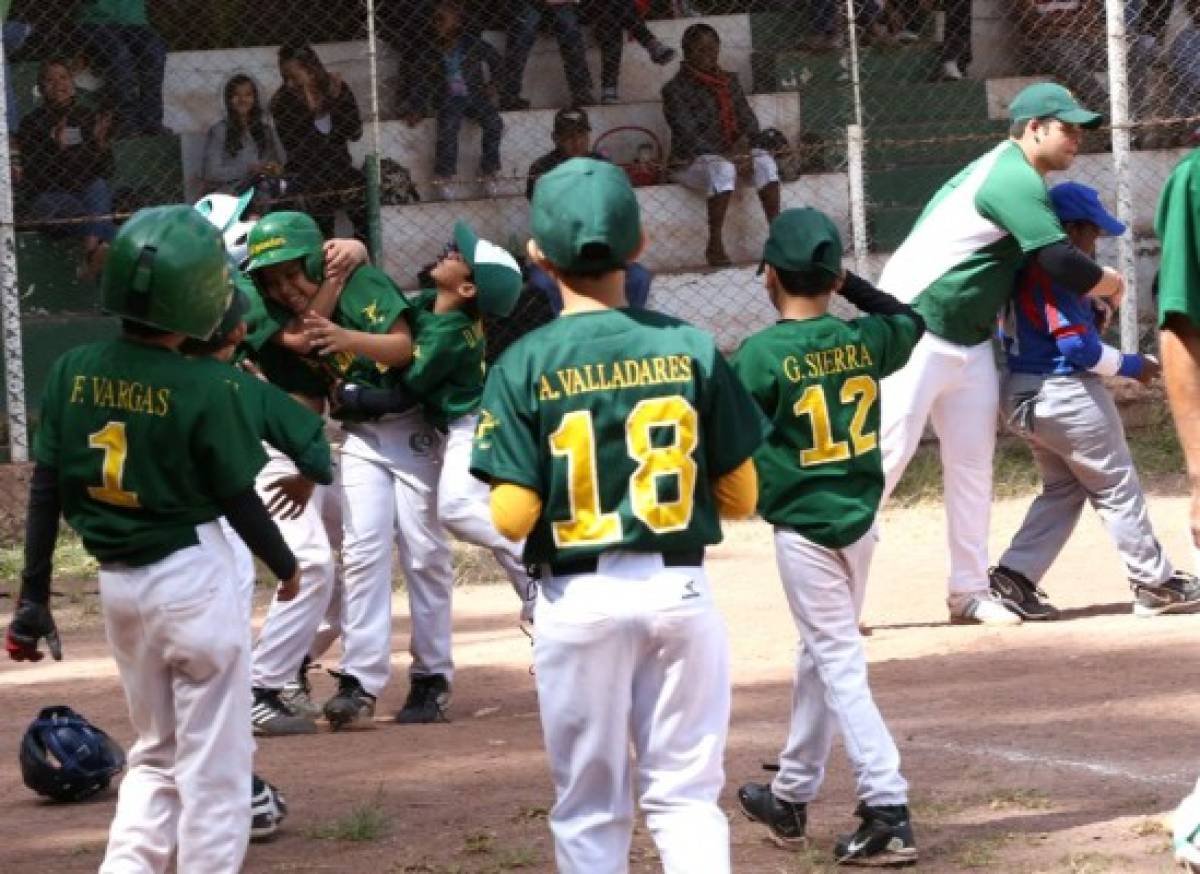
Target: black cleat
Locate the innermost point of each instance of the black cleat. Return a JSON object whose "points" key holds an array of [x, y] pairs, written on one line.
{"points": [[1020, 594], [785, 819], [884, 839], [297, 693], [351, 706], [267, 809], [428, 700], [1180, 594]]}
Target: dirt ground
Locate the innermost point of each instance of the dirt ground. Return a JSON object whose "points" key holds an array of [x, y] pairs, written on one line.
{"points": [[1042, 748]]}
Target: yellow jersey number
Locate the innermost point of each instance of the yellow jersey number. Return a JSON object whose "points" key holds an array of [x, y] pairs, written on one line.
{"points": [[111, 440], [575, 440], [861, 390]]}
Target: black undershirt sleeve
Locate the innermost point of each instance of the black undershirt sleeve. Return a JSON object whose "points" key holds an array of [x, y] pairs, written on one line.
{"points": [[249, 518], [874, 301], [1069, 267], [41, 532]]}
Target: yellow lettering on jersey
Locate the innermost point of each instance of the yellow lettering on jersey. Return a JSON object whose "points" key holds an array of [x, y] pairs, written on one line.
{"points": [[546, 391], [828, 362], [791, 368], [865, 357], [633, 373], [163, 396], [107, 395], [124, 391], [813, 361], [660, 371], [645, 374], [618, 376], [77, 384]]}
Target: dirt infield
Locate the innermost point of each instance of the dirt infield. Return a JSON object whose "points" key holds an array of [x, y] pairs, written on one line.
{"points": [[1052, 748]]}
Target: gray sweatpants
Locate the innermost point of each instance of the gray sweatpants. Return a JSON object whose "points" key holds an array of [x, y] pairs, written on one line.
{"points": [[1078, 442]]}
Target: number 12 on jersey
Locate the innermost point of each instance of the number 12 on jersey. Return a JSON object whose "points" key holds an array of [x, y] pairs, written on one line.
{"points": [[862, 390], [575, 440]]}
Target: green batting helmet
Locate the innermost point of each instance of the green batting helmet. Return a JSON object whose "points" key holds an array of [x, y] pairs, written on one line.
{"points": [[287, 236], [167, 269]]}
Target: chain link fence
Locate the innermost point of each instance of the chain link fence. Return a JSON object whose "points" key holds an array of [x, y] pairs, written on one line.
{"points": [[392, 119]]}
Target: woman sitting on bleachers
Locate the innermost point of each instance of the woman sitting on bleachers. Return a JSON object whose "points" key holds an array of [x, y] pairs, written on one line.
{"points": [[242, 145], [65, 165]]}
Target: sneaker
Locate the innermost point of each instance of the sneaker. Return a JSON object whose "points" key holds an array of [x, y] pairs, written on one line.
{"points": [[296, 694], [270, 717], [785, 819], [1020, 594], [351, 705], [267, 809], [428, 700], [980, 608], [1180, 594], [660, 54], [884, 838], [609, 96]]}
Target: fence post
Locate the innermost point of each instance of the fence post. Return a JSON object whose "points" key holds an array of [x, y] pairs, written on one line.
{"points": [[374, 216], [10, 294], [1118, 86], [858, 196]]}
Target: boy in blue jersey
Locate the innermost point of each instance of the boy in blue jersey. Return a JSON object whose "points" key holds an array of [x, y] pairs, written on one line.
{"points": [[1055, 398]]}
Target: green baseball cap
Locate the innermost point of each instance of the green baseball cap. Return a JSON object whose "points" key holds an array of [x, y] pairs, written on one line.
{"points": [[585, 217], [497, 276], [1048, 100], [803, 240]]}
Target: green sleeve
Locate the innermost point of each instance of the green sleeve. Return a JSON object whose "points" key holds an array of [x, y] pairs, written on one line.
{"points": [[225, 446], [370, 302], [445, 346], [262, 322], [732, 423], [289, 426], [755, 371], [890, 340], [1179, 230], [1014, 197], [46, 441], [506, 438]]}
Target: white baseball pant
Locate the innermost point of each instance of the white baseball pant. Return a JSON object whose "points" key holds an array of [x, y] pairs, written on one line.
{"points": [[390, 471], [825, 589], [290, 626], [957, 387], [715, 174], [464, 508], [244, 574], [181, 643], [634, 654]]}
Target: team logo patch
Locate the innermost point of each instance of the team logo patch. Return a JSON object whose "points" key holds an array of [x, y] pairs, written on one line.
{"points": [[267, 245], [371, 313], [483, 430]]}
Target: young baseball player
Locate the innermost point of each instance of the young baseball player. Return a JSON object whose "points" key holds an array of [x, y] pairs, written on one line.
{"points": [[957, 267], [390, 464], [611, 439], [142, 450], [1055, 398], [816, 377]]}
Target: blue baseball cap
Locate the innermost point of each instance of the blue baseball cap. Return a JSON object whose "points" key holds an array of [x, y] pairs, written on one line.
{"points": [[1076, 202]]}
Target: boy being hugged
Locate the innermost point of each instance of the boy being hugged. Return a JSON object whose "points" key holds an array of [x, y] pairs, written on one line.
{"points": [[611, 439], [816, 377]]}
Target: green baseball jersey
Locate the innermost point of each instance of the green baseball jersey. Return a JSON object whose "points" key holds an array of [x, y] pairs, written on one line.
{"points": [[959, 263], [308, 376], [145, 443], [1178, 227], [621, 421], [447, 367], [820, 471], [286, 424]]}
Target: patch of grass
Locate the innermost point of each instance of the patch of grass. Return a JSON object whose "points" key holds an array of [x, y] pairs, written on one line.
{"points": [[933, 809], [982, 853], [1024, 799], [1093, 863], [71, 561], [1149, 827], [367, 822], [518, 858], [479, 843], [532, 813]]}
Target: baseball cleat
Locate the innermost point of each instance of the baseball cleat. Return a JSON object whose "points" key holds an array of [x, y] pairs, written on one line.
{"points": [[885, 838], [271, 718], [1180, 594], [267, 809], [786, 820], [1020, 595], [428, 700], [351, 706], [980, 608], [296, 694]]}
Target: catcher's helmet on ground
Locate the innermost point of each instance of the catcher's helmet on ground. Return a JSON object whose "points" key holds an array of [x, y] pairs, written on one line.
{"points": [[287, 236], [167, 269], [65, 757]]}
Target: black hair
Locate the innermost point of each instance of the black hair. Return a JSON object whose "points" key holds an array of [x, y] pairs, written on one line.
{"points": [[694, 33], [141, 330], [1017, 128], [202, 348], [234, 129], [600, 252], [303, 54], [806, 283]]}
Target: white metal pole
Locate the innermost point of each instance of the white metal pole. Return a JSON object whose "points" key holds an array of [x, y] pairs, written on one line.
{"points": [[852, 38], [1118, 85], [858, 196], [373, 61], [10, 294]]}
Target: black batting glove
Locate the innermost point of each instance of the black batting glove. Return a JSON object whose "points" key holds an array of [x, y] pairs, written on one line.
{"points": [[30, 623]]}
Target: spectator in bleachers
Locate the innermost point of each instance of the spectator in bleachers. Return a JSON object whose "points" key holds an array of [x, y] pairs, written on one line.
{"points": [[610, 20], [65, 164], [454, 80], [243, 144], [520, 36], [714, 135], [572, 136], [317, 116], [955, 55], [1066, 40], [130, 56]]}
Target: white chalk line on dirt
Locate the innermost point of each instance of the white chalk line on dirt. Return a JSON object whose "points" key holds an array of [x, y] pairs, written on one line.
{"points": [[1024, 757]]}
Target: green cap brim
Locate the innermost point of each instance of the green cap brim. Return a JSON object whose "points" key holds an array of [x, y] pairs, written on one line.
{"points": [[466, 239], [275, 256], [1082, 117]]}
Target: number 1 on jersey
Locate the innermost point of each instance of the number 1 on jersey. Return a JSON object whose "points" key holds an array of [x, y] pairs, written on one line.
{"points": [[576, 441], [111, 439]]}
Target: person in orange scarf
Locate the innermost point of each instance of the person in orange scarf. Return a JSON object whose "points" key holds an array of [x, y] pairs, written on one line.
{"points": [[714, 135]]}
